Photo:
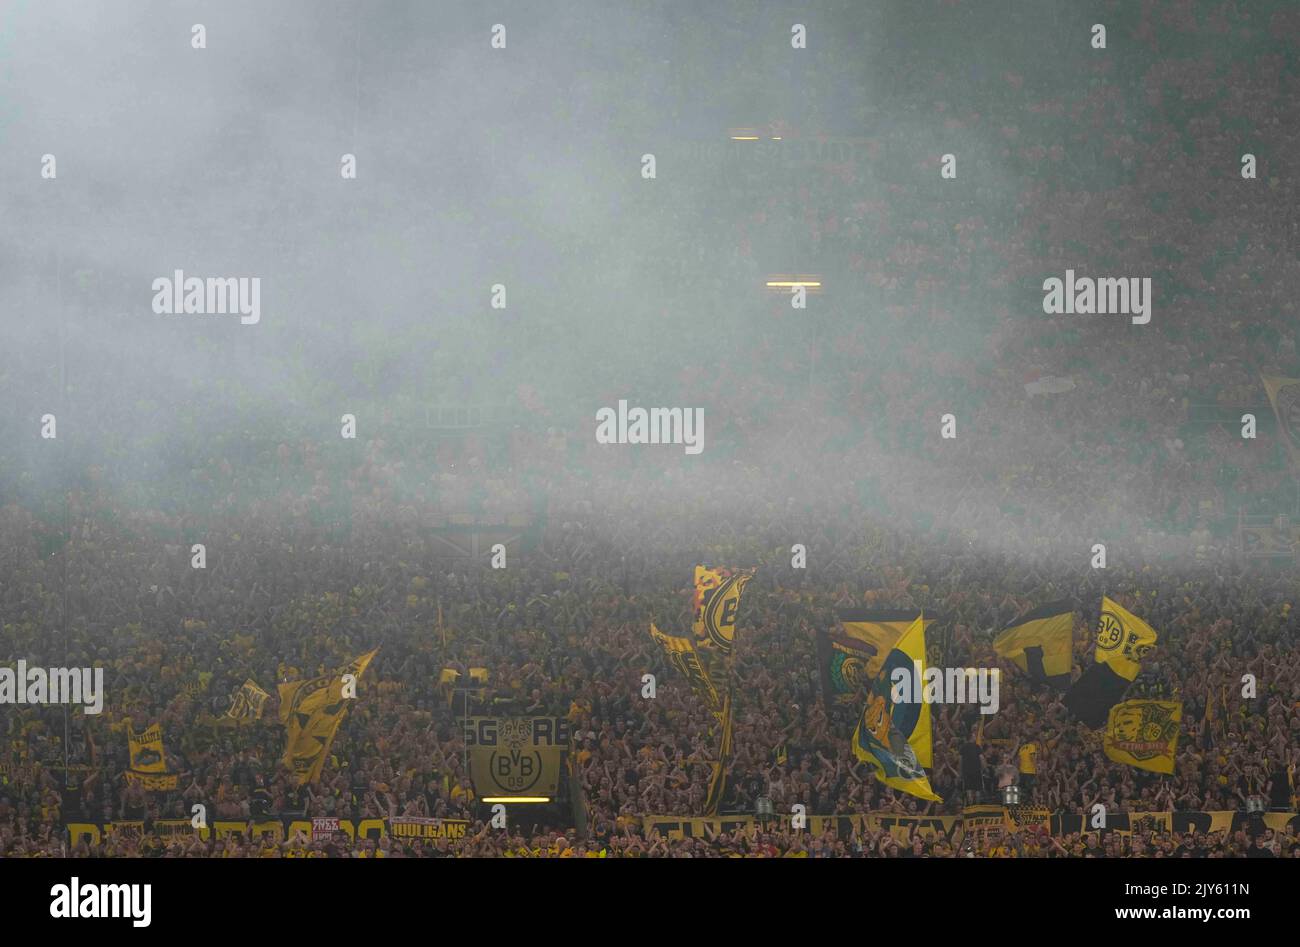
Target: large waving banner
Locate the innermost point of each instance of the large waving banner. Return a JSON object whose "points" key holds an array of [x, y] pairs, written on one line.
{"points": [[1123, 640], [717, 599], [895, 738], [312, 711], [682, 655]]}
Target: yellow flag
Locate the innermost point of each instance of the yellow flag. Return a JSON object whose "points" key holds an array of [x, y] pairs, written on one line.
{"points": [[1040, 643], [311, 712], [867, 636], [1284, 395], [148, 767], [895, 738], [719, 777], [682, 654], [247, 702], [1144, 733], [717, 599], [1123, 639], [146, 749]]}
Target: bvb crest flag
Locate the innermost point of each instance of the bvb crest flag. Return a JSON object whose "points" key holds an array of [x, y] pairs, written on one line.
{"points": [[1123, 640], [248, 702], [895, 738], [1284, 395], [1144, 733], [311, 712], [683, 656], [717, 599]]}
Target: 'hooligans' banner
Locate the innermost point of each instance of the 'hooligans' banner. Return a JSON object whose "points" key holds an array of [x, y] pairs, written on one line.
{"points": [[1144, 733], [282, 829], [311, 712], [453, 829], [717, 598], [895, 738], [683, 656], [515, 756]]}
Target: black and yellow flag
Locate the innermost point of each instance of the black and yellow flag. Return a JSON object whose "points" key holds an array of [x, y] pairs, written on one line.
{"points": [[248, 702], [718, 781], [683, 656], [717, 599], [1040, 643], [148, 764], [1144, 733], [311, 712], [857, 650], [895, 738], [1284, 395], [1123, 640]]}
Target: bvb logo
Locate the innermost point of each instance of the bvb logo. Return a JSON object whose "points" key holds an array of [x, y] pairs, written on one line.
{"points": [[1110, 632], [854, 673], [1144, 731], [516, 731], [516, 765]]}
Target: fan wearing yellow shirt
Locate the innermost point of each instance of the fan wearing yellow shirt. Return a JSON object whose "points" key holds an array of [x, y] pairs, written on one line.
{"points": [[463, 792], [1028, 754]]}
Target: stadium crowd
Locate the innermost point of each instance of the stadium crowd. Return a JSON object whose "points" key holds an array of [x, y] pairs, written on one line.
{"points": [[316, 555]]}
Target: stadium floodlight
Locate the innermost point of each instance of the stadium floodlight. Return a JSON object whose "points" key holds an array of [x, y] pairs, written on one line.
{"points": [[492, 799]]}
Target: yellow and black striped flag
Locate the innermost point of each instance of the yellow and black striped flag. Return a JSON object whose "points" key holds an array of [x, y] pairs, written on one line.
{"points": [[1123, 640], [682, 655], [718, 781], [1040, 643]]}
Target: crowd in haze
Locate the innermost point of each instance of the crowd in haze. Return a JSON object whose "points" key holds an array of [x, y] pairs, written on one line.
{"points": [[320, 549]]}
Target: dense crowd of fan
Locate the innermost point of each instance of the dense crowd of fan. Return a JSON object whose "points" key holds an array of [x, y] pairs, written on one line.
{"points": [[818, 436]]}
